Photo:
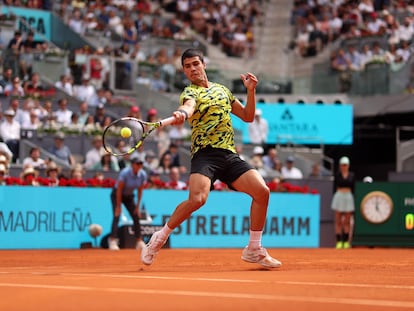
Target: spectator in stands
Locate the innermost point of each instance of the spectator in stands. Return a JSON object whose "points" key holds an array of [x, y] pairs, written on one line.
{"points": [[107, 163], [289, 171], [269, 160], [47, 116], [10, 132], [365, 55], [52, 174], [6, 78], [83, 113], [15, 89], [179, 133], [86, 91], [162, 138], [353, 58], [340, 64], [76, 174], [378, 53], [63, 114], [76, 22], [152, 115], [256, 160], [375, 25], [24, 115], [27, 49], [100, 117], [65, 84], [353, 32], [33, 123], [134, 112], [404, 51], [175, 181], [137, 54], [366, 8], [406, 30], [258, 129], [171, 27], [302, 40], [93, 156], [150, 161], [166, 66], [35, 84], [14, 44], [173, 151], [315, 171], [34, 160], [115, 23], [130, 35], [60, 150], [90, 22], [29, 176], [165, 164], [15, 105], [97, 76]]}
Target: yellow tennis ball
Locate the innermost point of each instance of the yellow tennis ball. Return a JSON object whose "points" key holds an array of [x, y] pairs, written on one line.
{"points": [[126, 132]]}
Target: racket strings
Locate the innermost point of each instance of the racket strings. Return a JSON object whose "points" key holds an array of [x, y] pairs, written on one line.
{"points": [[116, 143]]}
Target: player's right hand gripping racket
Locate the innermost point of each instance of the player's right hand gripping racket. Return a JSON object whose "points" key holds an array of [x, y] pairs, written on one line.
{"points": [[133, 138]]}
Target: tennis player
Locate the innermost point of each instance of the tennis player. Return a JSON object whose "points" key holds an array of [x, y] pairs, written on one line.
{"points": [[207, 106]]}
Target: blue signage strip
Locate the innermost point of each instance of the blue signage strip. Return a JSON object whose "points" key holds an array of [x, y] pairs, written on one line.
{"points": [[304, 124], [58, 218], [37, 20]]}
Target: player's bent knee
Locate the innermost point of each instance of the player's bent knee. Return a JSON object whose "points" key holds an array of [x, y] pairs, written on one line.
{"points": [[197, 201]]}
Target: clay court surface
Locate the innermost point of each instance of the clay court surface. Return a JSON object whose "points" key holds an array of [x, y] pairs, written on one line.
{"points": [[192, 279]]}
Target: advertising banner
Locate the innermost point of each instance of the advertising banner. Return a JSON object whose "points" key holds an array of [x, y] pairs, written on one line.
{"points": [[309, 124], [59, 218]]}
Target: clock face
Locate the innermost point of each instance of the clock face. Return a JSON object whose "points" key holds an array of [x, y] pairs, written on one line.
{"points": [[376, 207]]}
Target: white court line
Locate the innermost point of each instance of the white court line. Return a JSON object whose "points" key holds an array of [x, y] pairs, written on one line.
{"points": [[179, 278], [323, 300]]}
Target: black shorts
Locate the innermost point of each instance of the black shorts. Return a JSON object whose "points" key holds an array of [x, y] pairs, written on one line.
{"points": [[217, 163]]}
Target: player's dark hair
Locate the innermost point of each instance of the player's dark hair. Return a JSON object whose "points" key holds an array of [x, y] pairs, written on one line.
{"points": [[189, 53]]}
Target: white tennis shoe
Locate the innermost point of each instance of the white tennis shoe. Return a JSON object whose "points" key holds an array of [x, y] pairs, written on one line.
{"points": [[113, 244], [149, 252], [260, 256]]}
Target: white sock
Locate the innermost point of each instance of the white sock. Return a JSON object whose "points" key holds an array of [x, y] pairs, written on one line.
{"points": [[165, 231], [255, 239]]}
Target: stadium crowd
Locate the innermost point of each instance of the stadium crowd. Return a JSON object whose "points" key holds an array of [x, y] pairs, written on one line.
{"points": [[29, 104], [319, 23]]}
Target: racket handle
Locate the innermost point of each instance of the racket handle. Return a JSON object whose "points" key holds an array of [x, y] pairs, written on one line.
{"points": [[167, 121]]}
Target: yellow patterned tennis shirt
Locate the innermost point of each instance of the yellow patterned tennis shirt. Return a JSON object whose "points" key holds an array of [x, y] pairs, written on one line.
{"points": [[211, 122]]}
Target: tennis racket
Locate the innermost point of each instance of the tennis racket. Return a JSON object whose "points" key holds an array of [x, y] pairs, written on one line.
{"points": [[131, 131]]}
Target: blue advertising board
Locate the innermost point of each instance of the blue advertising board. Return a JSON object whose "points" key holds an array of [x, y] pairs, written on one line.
{"points": [[37, 20], [58, 218], [304, 124]]}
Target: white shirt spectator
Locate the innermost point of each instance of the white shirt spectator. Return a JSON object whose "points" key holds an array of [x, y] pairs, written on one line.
{"points": [[9, 129], [33, 123], [406, 31], [94, 155], [258, 129], [38, 163], [65, 85], [86, 92], [289, 171], [76, 22], [179, 132], [63, 116]]}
